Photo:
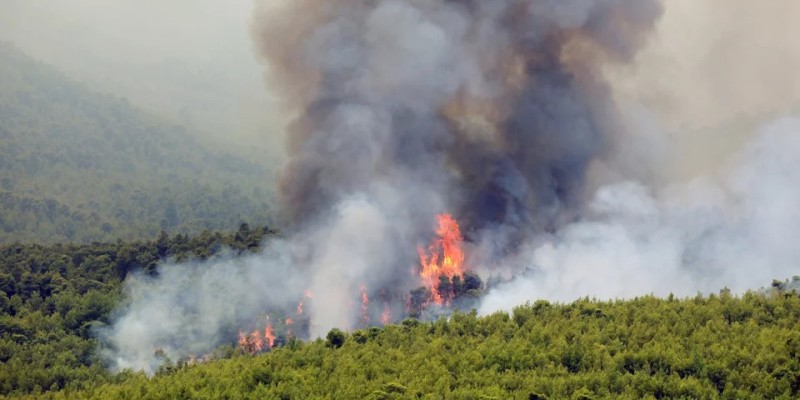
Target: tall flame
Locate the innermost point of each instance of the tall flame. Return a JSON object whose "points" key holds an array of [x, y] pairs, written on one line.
{"points": [[364, 305], [444, 257], [385, 316], [269, 336], [254, 342]]}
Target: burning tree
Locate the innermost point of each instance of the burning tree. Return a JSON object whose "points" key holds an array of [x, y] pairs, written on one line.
{"points": [[446, 285], [443, 260]]}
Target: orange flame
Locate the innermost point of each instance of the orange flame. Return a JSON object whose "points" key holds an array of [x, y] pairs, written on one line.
{"points": [[385, 316], [269, 336], [242, 340], [364, 305], [446, 255], [256, 342], [252, 342]]}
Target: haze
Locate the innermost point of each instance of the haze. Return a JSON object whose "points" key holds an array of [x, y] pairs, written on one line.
{"points": [[185, 59]]}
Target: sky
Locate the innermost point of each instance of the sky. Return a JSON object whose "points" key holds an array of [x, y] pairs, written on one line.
{"points": [[188, 60], [711, 66]]}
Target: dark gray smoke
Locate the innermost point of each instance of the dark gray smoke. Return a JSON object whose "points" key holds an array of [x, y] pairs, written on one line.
{"points": [[495, 107], [489, 110]]}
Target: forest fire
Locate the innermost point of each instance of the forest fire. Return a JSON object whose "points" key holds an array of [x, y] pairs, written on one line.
{"points": [[386, 316], [444, 256], [269, 336], [364, 305], [444, 282], [254, 342], [293, 325]]}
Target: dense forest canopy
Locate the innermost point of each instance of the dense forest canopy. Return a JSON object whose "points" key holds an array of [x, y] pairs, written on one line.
{"points": [[80, 166], [719, 346], [54, 298], [702, 347]]}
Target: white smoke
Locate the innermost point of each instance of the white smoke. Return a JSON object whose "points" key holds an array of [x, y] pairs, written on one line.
{"points": [[386, 93], [738, 230], [191, 308]]}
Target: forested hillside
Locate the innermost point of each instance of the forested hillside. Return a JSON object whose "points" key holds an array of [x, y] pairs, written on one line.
{"points": [[53, 297], [80, 166], [698, 348]]}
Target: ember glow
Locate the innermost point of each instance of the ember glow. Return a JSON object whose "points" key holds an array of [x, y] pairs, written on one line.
{"points": [[444, 256]]}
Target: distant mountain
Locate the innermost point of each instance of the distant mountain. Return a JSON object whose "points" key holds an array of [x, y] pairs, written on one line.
{"points": [[81, 166]]}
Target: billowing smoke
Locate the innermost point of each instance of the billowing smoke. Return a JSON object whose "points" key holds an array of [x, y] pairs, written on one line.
{"points": [[736, 230], [507, 114], [191, 308], [492, 109]]}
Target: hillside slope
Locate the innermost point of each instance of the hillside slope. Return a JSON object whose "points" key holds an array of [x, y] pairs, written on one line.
{"points": [[55, 300], [699, 348], [81, 166]]}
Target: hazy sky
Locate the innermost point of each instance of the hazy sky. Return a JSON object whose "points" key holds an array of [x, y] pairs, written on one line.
{"points": [[711, 66], [713, 72], [187, 59]]}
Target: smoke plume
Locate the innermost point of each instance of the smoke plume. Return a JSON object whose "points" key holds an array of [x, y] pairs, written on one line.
{"points": [[520, 118], [735, 230], [493, 111]]}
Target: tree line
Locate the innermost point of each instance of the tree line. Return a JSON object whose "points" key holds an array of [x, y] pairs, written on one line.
{"points": [[53, 297]]}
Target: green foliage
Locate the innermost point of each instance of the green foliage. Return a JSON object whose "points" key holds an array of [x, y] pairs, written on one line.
{"points": [[335, 338], [79, 166], [633, 349], [53, 299]]}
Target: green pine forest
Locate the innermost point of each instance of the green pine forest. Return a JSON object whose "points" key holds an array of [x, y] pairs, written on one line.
{"points": [[79, 166], [716, 346]]}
